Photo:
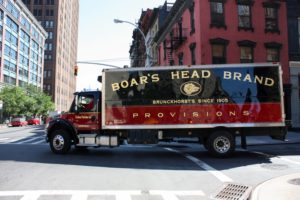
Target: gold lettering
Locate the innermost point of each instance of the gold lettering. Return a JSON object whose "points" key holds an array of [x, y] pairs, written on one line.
{"points": [[160, 115], [115, 86], [175, 75], [269, 82], [155, 78], [232, 113], [185, 74], [248, 78], [147, 115], [205, 74], [135, 115], [195, 74], [246, 113], [219, 114], [195, 114], [143, 79], [237, 76], [133, 82], [124, 84], [259, 79], [173, 114], [227, 75]]}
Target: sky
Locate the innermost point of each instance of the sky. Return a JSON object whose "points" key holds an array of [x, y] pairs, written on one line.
{"points": [[101, 40]]}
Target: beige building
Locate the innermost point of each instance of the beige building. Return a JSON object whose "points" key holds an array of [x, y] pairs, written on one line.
{"points": [[60, 19]]}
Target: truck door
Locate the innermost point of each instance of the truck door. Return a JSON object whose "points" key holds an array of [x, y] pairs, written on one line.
{"points": [[87, 118]]}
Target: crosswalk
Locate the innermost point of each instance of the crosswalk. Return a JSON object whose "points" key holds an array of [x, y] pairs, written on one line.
{"points": [[106, 194], [34, 140]]}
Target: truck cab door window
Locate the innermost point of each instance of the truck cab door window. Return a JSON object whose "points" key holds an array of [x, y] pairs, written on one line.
{"points": [[86, 103]]}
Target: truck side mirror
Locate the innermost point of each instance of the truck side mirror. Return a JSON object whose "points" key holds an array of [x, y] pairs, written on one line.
{"points": [[99, 79]]}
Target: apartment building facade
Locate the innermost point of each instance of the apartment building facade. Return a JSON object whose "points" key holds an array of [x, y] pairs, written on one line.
{"points": [[22, 41], [60, 19], [222, 31]]}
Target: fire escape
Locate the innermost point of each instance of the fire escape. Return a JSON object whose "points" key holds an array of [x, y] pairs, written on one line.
{"points": [[177, 37]]}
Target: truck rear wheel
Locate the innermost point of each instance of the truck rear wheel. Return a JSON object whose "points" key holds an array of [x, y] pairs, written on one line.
{"points": [[221, 143], [60, 141]]}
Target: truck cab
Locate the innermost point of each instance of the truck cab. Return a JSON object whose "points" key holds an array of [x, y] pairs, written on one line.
{"points": [[80, 126]]}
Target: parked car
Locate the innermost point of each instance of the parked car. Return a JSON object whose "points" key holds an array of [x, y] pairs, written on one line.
{"points": [[34, 121], [18, 122]]}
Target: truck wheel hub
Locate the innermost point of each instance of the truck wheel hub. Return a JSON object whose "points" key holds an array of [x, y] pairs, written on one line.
{"points": [[222, 144], [58, 142]]}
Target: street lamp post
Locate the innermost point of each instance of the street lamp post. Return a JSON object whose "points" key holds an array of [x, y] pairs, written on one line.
{"points": [[147, 64]]}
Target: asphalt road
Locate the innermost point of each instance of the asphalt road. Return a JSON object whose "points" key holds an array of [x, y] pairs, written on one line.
{"points": [[184, 171]]}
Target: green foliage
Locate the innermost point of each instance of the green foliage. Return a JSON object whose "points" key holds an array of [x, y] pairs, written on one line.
{"points": [[29, 101]]}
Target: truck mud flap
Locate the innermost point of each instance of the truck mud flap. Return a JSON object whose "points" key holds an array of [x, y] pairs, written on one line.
{"points": [[142, 137]]}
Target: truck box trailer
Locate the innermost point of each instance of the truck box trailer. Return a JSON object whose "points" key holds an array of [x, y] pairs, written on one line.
{"points": [[214, 103]]}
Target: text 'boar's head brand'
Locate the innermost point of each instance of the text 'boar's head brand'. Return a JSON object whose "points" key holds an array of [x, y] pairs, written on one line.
{"points": [[154, 78]]}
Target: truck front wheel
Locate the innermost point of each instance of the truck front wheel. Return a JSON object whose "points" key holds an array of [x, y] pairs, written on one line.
{"points": [[60, 142], [221, 143]]}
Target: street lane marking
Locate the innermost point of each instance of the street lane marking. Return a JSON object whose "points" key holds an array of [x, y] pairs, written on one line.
{"points": [[28, 140], [118, 194], [219, 175], [39, 142], [172, 195], [4, 139]]}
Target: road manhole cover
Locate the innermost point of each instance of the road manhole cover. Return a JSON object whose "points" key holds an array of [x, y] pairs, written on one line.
{"points": [[295, 181], [274, 166]]}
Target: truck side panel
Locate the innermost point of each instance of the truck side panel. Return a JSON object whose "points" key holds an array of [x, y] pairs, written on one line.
{"points": [[199, 96]]}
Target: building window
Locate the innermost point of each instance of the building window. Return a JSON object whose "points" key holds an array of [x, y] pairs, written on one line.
{"points": [[271, 17], [180, 59], [192, 17], [9, 80], [244, 14], [26, 1], [10, 23], [217, 13], [50, 2], [38, 2], [193, 53], [50, 35], [273, 51], [37, 12], [49, 12], [247, 51], [218, 47], [49, 24]]}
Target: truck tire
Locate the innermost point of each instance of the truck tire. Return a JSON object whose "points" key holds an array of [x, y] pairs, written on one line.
{"points": [[60, 141], [221, 143]]}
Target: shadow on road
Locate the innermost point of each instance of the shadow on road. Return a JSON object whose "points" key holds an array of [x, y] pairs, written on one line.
{"points": [[154, 158]]}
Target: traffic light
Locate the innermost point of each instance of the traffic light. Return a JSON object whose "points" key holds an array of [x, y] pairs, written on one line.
{"points": [[75, 70]]}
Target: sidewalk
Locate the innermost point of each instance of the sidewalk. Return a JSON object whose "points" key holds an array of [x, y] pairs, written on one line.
{"points": [[3, 126], [281, 188]]}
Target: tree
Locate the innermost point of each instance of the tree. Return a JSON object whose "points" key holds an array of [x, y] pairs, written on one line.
{"points": [[28, 101]]}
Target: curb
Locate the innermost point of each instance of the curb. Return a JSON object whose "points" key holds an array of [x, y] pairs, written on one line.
{"points": [[278, 188]]}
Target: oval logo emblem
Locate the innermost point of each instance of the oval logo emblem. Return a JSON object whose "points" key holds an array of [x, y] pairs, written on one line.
{"points": [[190, 88]]}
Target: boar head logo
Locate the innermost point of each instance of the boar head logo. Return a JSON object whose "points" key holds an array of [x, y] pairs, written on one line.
{"points": [[190, 88]]}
